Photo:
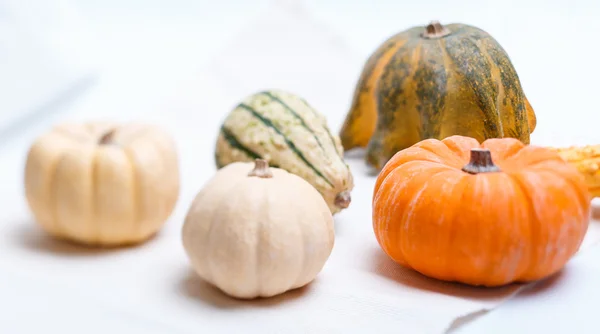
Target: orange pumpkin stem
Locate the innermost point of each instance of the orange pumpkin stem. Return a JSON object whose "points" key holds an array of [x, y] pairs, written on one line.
{"points": [[435, 30], [107, 138], [261, 169], [481, 162]]}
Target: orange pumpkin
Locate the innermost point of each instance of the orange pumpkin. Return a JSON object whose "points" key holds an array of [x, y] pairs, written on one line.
{"points": [[482, 214]]}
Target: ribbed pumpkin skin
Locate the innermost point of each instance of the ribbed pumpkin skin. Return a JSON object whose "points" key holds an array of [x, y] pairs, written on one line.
{"points": [[519, 224], [413, 88]]}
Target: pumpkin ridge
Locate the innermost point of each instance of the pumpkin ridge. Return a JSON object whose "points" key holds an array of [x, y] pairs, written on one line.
{"points": [[462, 183], [235, 143], [531, 258], [210, 238], [389, 99], [509, 270], [135, 187], [380, 184], [447, 65], [527, 151], [387, 225], [258, 246], [430, 88], [267, 122], [364, 103], [570, 181], [458, 149], [407, 214], [302, 267], [93, 196], [375, 209], [393, 134], [511, 84], [512, 153], [496, 75], [391, 165], [210, 220], [53, 198], [582, 201], [459, 187], [471, 68], [550, 262], [444, 160]]}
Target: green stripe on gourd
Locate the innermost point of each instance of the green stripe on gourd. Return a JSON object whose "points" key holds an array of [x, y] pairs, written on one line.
{"points": [[267, 122], [302, 121], [325, 127], [236, 144], [295, 114]]}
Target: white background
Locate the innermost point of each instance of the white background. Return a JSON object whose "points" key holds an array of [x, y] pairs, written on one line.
{"points": [[143, 50]]}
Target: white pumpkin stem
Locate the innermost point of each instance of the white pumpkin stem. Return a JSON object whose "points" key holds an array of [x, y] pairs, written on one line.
{"points": [[343, 199], [435, 30], [261, 169], [107, 138], [481, 162]]}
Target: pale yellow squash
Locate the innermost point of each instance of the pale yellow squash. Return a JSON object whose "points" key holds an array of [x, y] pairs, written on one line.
{"points": [[102, 184], [255, 231]]}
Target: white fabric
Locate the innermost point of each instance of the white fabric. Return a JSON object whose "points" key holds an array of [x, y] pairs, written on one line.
{"points": [[43, 56], [360, 290]]}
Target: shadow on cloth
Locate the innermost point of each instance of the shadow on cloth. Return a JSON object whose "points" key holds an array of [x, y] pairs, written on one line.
{"points": [[194, 287], [31, 237], [384, 266], [596, 211]]}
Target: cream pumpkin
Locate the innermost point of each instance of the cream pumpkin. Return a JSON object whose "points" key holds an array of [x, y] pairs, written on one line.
{"points": [[102, 184], [255, 231]]}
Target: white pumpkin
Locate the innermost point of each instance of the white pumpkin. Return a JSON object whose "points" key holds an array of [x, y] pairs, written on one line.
{"points": [[102, 184], [258, 232]]}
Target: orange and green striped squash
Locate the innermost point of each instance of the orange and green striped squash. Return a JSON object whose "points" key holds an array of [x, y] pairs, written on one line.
{"points": [[434, 82]]}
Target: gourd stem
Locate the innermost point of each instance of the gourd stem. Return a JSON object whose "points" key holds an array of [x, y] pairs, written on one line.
{"points": [[261, 169], [481, 162], [435, 30], [107, 138], [342, 200]]}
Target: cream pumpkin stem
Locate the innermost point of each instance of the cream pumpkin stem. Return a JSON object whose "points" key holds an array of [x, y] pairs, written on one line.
{"points": [[343, 199], [107, 138], [481, 162], [435, 30], [261, 169]]}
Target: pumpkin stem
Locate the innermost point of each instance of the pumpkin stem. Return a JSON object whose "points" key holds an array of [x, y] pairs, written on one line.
{"points": [[343, 199], [435, 30], [107, 138], [481, 162], [261, 169]]}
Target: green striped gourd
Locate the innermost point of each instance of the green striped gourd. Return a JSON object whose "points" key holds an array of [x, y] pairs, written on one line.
{"points": [[287, 132], [434, 82]]}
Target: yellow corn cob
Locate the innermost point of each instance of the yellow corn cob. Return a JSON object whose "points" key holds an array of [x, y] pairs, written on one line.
{"points": [[587, 160]]}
